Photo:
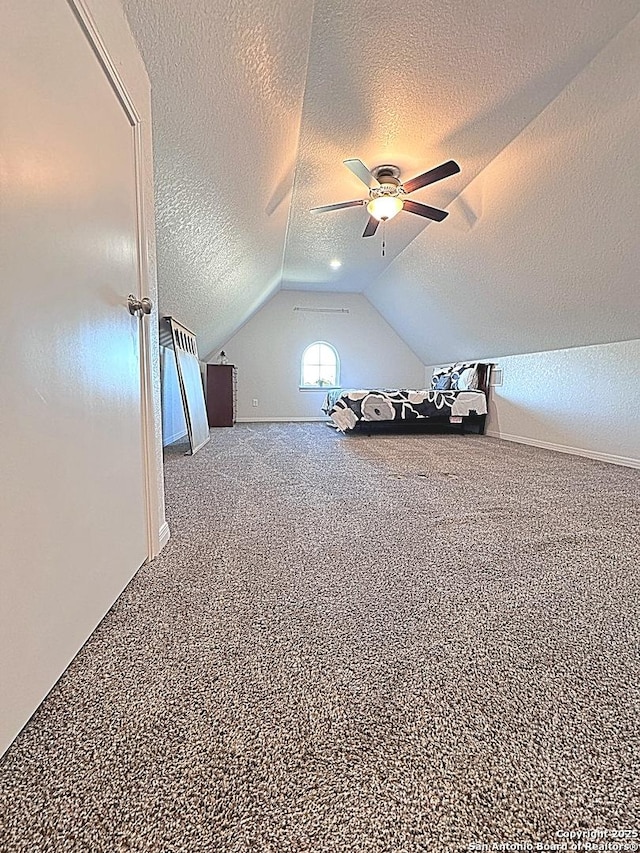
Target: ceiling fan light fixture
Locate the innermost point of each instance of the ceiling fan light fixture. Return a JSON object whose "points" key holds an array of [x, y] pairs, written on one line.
{"points": [[388, 196], [384, 207]]}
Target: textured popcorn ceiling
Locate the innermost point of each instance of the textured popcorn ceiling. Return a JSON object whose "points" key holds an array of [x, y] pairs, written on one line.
{"points": [[257, 103], [227, 84]]}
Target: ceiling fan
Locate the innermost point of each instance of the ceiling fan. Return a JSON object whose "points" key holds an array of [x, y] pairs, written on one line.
{"points": [[387, 194]]}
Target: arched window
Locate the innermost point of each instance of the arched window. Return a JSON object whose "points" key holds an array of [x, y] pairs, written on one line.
{"points": [[320, 366]]}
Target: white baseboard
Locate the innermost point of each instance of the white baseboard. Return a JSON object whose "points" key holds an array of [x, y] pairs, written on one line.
{"points": [[628, 461], [278, 420], [158, 542], [164, 535], [169, 439]]}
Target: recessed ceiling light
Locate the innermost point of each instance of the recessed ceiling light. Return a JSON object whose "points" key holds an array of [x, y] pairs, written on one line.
{"points": [[335, 264]]}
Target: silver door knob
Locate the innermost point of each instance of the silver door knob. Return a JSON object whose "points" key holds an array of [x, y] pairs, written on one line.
{"points": [[138, 307]]}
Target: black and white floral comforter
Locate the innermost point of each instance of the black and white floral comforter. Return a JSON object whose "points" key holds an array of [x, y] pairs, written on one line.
{"points": [[347, 408]]}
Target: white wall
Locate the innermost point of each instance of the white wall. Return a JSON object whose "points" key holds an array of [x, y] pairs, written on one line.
{"points": [[268, 349], [584, 400]]}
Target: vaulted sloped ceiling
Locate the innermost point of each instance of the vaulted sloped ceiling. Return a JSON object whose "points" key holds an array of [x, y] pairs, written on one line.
{"points": [[257, 103], [227, 84], [541, 250]]}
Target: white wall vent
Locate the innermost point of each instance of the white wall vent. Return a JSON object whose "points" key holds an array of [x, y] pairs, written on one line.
{"points": [[322, 310]]}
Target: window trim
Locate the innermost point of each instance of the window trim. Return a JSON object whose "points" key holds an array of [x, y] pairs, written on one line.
{"points": [[302, 386]]}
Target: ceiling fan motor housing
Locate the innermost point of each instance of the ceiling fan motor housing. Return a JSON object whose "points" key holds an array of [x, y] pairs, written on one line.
{"points": [[389, 179], [386, 171]]}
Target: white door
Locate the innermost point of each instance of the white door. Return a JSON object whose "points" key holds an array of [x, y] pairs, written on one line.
{"points": [[72, 481]]}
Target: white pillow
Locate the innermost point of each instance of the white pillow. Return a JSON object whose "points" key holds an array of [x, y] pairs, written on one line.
{"points": [[468, 380]]}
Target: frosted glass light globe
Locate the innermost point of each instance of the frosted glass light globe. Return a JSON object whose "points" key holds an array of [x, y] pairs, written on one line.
{"points": [[384, 207]]}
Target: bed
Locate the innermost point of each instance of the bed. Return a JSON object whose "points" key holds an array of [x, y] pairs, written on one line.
{"points": [[456, 400]]}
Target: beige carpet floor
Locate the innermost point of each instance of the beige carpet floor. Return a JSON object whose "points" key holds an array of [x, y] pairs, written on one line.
{"points": [[387, 644]]}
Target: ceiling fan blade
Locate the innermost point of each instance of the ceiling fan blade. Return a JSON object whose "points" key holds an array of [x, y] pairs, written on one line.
{"points": [[445, 170], [371, 227], [360, 171], [339, 206], [424, 210]]}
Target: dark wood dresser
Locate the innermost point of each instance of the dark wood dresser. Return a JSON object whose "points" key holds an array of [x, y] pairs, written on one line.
{"points": [[221, 394]]}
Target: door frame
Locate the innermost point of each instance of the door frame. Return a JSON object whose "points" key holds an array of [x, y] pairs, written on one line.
{"points": [[157, 533]]}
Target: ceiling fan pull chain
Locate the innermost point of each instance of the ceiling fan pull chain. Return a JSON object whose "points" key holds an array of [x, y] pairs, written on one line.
{"points": [[384, 242]]}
